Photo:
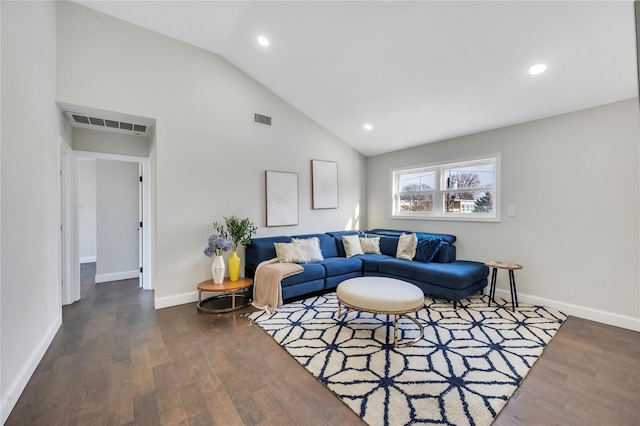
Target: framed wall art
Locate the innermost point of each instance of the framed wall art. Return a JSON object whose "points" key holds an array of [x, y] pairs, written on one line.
{"points": [[282, 198], [324, 182]]}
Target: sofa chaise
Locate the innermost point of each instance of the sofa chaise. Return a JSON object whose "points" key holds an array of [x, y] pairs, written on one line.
{"points": [[442, 277]]}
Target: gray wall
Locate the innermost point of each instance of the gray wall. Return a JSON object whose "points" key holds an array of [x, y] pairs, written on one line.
{"points": [[86, 203], [116, 220], [210, 158], [574, 181], [30, 312]]}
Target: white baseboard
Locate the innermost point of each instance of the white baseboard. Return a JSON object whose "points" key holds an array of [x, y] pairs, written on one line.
{"points": [[16, 387], [175, 300], [116, 276], [88, 259], [592, 314]]}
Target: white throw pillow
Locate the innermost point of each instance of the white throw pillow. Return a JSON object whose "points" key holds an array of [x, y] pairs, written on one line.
{"points": [[352, 245], [407, 246], [370, 245], [310, 248], [289, 252]]}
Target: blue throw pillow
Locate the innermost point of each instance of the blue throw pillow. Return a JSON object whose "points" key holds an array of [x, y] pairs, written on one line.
{"points": [[428, 247]]}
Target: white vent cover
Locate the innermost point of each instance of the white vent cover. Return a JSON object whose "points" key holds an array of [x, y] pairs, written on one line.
{"points": [[99, 123], [262, 119]]}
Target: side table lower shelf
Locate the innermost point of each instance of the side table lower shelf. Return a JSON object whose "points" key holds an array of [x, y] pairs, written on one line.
{"points": [[236, 295]]}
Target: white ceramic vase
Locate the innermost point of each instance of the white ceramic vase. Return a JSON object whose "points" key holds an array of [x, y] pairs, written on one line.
{"points": [[217, 269]]}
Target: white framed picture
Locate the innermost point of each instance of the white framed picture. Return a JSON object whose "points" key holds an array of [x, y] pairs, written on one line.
{"points": [[282, 198], [324, 184]]}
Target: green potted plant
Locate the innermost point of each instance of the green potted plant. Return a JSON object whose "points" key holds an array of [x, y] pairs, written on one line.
{"points": [[238, 232]]}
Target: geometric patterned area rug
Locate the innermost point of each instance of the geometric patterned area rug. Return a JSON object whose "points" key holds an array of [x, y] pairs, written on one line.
{"points": [[462, 372]]}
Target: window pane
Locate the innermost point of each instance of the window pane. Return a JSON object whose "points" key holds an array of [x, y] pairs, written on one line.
{"points": [[469, 176], [418, 181], [416, 202], [464, 190], [468, 202]]}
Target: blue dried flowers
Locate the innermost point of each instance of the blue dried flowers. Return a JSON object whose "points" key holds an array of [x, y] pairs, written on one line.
{"points": [[216, 246]]}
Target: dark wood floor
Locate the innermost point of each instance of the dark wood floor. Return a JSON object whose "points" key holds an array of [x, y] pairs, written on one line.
{"points": [[117, 361]]}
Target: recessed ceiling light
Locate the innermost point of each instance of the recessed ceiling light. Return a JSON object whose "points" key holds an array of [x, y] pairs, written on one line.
{"points": [[263, 41], [368, 126], [537, 69]]}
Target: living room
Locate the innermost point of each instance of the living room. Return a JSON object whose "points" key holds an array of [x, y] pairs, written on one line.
{"points": [[572, 176]]}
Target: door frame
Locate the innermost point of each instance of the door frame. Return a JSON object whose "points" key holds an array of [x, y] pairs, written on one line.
{"points": [[147, 234], [68, 278]]}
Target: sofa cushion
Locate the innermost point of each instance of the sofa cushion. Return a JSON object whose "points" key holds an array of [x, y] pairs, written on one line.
{"points": [[289, 252], [395, 233], [351, 244], [341, 265], [312, 271], [389, 245], [370, 245], [337, 235], [327, 243], [261, 249], [370, 261], [407, 244], [456, 275], [446, 253], [427, 248], [310, 248]]}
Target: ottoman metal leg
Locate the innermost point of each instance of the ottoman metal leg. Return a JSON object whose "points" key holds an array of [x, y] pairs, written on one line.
{"points": [[395, 331], [411, 342]]}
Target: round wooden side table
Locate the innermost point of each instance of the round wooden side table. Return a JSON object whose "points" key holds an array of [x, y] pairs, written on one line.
{"points": [[228, 301], [510, 266]]}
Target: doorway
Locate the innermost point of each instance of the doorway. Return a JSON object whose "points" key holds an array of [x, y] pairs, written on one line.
{"points": [[109, 218], [120, 227]]}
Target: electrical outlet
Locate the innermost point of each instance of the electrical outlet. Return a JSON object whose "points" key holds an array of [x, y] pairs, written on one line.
{"points": [[511, 211]]}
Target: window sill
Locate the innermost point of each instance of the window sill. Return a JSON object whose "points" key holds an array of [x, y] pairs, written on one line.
{"points": [[452, 218]]}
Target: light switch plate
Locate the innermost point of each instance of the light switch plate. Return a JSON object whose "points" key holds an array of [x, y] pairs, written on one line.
{"points": [[511, 211]]}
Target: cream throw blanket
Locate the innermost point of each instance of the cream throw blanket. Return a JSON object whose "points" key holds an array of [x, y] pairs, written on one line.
{"points": [[267, 283]]}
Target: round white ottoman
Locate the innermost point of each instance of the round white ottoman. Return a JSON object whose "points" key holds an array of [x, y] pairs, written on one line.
{"points": [[381, 295]]}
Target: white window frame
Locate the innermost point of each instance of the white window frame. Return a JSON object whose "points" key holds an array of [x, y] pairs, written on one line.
{"points": [[438, 194]]}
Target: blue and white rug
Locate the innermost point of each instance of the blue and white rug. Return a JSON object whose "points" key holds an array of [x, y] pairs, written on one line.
{"points": [[462, 372]]}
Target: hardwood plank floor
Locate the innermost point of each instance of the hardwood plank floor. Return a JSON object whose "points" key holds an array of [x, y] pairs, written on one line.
{"points": [[117, 361]]}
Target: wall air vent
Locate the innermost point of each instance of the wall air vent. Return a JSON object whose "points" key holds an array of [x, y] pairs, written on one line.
{"points": [[98, 123], [262, 119]]}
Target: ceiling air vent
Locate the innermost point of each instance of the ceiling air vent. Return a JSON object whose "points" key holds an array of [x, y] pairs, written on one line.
{"points": [[97, 123], [112, 124], [262, 119], [80, 119]]}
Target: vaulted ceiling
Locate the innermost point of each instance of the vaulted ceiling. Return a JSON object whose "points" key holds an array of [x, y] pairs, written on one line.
{"points": [[419, 71]]}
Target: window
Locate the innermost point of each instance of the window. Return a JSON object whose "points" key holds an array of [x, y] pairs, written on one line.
{"points": [[464, 190]]}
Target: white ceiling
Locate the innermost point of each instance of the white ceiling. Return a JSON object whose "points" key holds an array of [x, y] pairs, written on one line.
{"points": [[419, 72]]}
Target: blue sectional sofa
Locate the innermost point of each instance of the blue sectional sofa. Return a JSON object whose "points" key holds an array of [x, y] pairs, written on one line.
{"points": [[443, 277]]}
